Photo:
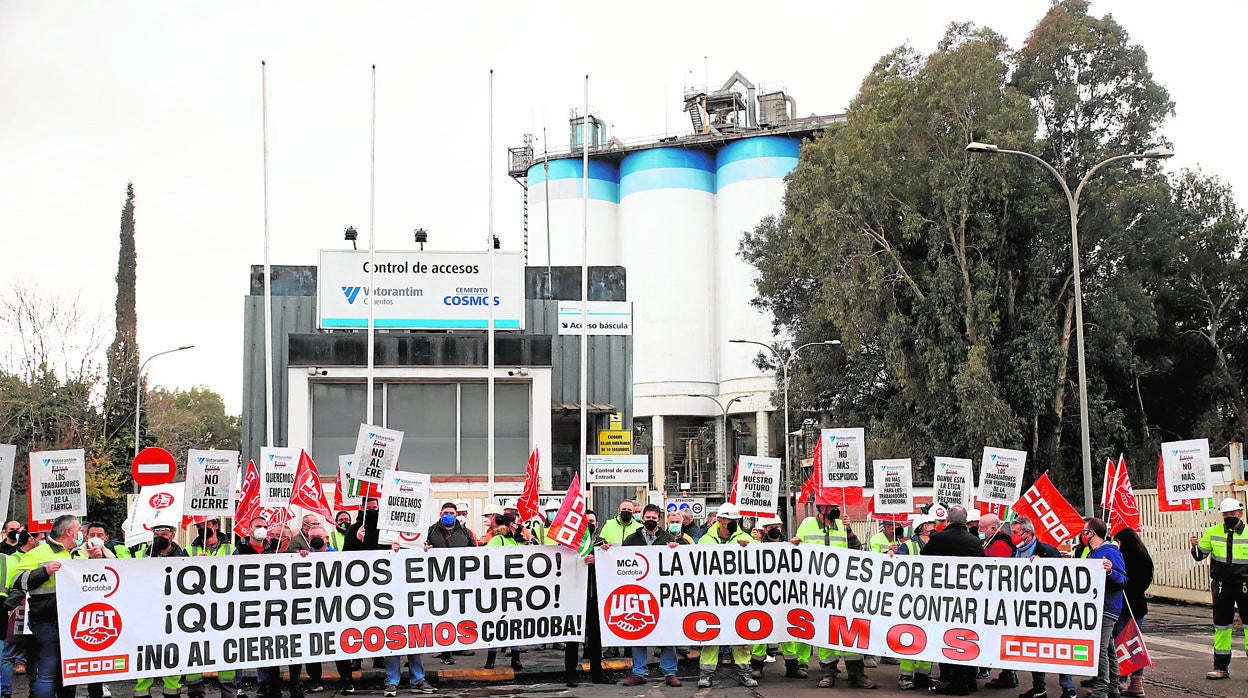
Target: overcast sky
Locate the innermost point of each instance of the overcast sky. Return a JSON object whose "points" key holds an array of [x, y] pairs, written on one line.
{"points": [[167, 95]]}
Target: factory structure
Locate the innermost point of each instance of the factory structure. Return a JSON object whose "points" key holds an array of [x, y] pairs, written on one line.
{"points": [[671, 212]]}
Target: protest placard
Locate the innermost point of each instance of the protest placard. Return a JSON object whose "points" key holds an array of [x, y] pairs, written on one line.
{"points": [[894, 493], [954, 481], [758, 485], [347, 493], [154, 505], [218, 613], [210, 482], [277, 475], [405, 504], [1041, 615], [58, 483], [1186, 466], [8, 456], [844, 457], [1001, 476], [376, 452]]}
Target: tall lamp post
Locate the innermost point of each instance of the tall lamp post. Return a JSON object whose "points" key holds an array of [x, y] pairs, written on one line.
{"points": [[1072, 200], [784, 362], [721, 443], [138, 392]]}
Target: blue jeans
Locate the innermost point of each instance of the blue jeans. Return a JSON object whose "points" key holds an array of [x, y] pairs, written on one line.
{"points": [[415, 665], [14, 654], [667, 661], [1066, 681], [47, 640]]}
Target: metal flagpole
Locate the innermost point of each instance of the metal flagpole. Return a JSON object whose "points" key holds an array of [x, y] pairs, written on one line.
{"points": [[372, 248], [489, 246], [268, 271], [584, 383]]}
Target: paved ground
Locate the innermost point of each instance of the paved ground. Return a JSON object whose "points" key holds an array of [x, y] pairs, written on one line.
{"points": [[1179, 639]]}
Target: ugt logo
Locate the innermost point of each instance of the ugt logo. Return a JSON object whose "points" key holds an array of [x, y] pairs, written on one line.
{"points": [[95, 627], [351, 292], [632, 612]]}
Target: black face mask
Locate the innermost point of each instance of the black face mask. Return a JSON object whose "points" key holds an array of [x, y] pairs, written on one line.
{"points": [[11, 535], [370, 519], [626, 516], [160, 545], [836, 513], [317, 542], [774, 534], [344, 525], [1230, 522], [590, 527], [650, 524], [731, 526]]}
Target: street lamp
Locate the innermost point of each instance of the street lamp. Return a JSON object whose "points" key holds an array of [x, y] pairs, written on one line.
{"points": [[138, 392], [784, 367], [721, 442], [1072, 200]]}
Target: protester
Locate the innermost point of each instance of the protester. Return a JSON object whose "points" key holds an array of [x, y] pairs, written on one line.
{"points": [[94, 547], [508, 532], [1139, 565], [615, 530], [362, 535], [415, 662], [651, 533], [35, 575], [1093, 536], [1028, 547], [955, 541], [888, 539], [461, 515], [338, 534], [490, 517], [162, 544], [997, 543], [689, 527], [826, 528], [318, 542], [448, 532], [210, 541], [593, 626], [300, 540], [916, 673], [923, 526], [676, 526], [1228, 574], [727, 532], [259, 542], [769, 530], [9, 545], [15, 655]]}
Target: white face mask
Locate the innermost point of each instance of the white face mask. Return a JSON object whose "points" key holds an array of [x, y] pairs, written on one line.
{"points": [[463, 520], [260, 533]]}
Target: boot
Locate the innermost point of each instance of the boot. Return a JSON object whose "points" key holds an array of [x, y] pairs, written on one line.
{"points": [[228, 689], [756, 667], [489, 659], [905, 682], [515, 662], [1135, 687], [794, 669], [705, 678], [858, 674], [744, 678], [830, 673]]}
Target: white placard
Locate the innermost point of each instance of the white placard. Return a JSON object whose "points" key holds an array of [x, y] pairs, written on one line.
{"points": [[346, 492], [406, 503], [694, 506], [210, 482], [604, 317], [894, 491], [154, 505], [758, 485], [8, 456], [1186, 466], [844, 457], [376, 451], [1001, 475], [954, 481], [544, 501], [58, 483], [617, 470], [277, 475], [414, 290]]}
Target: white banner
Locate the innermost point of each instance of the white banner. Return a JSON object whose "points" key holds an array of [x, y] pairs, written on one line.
{"points": [[58, 483], [376, 452], [416, 290], [617, 470], [1186, 466], [237, 612], [277, 475], [1041, 615], [350, 495], [8, 456], [758, 485], [844, 457], [1001, 475], [154, 505], [604, 317], [210, 482], [954, 481], [894, 491], [406, 503]]}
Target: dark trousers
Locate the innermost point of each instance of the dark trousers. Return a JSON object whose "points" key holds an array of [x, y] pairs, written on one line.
{"points": [[593, 638], [1227, 597]]}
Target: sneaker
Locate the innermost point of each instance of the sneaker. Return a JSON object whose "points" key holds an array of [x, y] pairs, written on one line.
{"points": [[672, 681], [905, 683], [315, 688], [423, 686], [1034, 692], [390, 690], [860, 681], [633, 680], [704, 681], [447, 658], [1070, 693], [1217, 674], [747, 681], [348, 689]]}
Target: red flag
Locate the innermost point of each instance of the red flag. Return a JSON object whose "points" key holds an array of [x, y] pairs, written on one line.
{"points": [[1055, 519], [1124, 511], [249, 504], [1107, 488], [813, 488], [812, 483], [527, 503], [569, 528], [1130, 649], [307, 491], [1170, 505], [732, 490], [871, 513]]}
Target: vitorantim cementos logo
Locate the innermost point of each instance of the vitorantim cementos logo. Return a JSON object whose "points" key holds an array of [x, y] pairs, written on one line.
{"points": [[351, 292]]}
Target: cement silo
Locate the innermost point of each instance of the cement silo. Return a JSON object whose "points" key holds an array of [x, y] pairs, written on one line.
{"points": [[566, 223]]}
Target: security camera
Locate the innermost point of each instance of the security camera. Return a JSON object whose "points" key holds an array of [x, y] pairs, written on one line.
{"points": [[314, 371], [518, 372]]}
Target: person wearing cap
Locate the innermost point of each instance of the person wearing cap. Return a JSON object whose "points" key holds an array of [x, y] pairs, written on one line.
{"points": [[767, 529], [210, 540], [541, 528], [490, 517], [826, 528], [726, 532], [652, 533], [1227, 544], [922, 528]]}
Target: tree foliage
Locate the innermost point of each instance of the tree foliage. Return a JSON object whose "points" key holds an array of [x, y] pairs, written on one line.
{"points": [[185, 419]]}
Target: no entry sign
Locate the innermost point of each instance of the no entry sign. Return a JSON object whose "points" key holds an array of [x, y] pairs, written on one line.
{"points": [[153, 466]]}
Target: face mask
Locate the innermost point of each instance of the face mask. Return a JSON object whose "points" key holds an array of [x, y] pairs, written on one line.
{"points": [[260, 533], [626, 516], [448, 519], [673, 528], [774, 534], [1084, 537], [731, 526], [591, 527], [1018, 540], [650, 524], [1231, 522], [982, 536], [11, 535], [343, 525], [317, 542], [463, 520], [78, 540]]}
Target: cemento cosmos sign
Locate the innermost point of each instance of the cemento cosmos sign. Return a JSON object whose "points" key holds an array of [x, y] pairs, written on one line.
{"points": [[414, 290]]}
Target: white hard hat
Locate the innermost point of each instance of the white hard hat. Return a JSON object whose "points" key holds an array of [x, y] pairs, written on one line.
{"points": [[491, 509], [768, 521], [939, 513], [461, 505], [728, 510], [972, 515], [1230, 504], [921, 519]]}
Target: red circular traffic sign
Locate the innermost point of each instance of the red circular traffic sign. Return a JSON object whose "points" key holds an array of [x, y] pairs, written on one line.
{"points": [[153, 466]]}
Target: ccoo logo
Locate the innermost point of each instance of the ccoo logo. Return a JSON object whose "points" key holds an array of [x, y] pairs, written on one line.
{"points": [[95, 627], [632, 612], [351, 293], [160, 500]]}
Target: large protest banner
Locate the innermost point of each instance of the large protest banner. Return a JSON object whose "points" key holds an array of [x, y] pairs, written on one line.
{"points": [[954, 480], [210, 482], [219, 613], [1186, 467], [376, 452], [844, 457], [1001, 476], [58, 483], [1041, 615], [757, 485]]}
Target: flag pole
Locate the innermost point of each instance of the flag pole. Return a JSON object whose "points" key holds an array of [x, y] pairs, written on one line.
{"points": [[489, 245], [584, 367], [268, 271]]}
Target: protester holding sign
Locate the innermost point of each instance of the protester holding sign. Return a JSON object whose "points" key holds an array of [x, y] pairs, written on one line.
{"points": [[1228, 545], [769, 530], [888, 539], [727, 532], [1139, 578], [210, 540], [1094, 536], [650, 533], [35, 575]]}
